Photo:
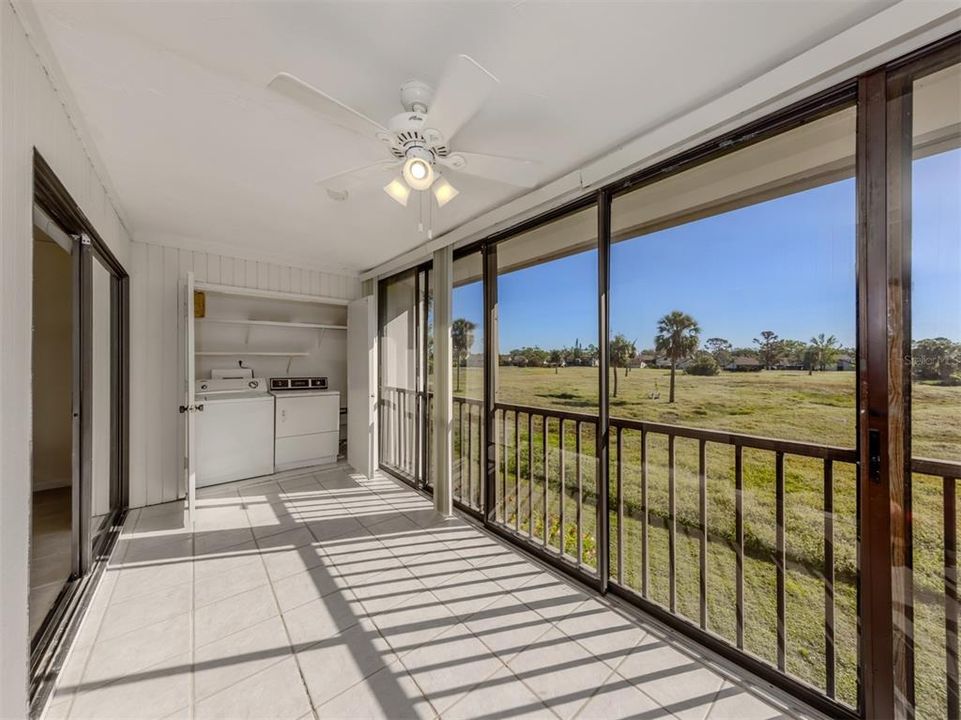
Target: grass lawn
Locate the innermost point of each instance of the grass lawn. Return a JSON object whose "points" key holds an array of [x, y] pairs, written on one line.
{"points": [[818, 408]]}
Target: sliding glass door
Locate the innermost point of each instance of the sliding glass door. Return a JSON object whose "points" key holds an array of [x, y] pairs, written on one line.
{"points": [[733, 399], [467, 342], [929, 102], [542, 462], [102, 370], [403, 405], [79, 389]]}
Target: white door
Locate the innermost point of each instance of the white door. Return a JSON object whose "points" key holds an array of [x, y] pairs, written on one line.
{"points": [[362, 385], [189, 407]]}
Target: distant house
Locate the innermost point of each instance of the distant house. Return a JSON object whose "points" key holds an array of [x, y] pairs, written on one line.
{"points": [[643, 360], [846, 362], [665, 363], [475, 360], [742, 363], [788, 365]]}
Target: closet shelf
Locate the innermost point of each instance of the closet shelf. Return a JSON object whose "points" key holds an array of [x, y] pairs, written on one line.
{"points": [[269, 294], [246, 353], [272, 323]]}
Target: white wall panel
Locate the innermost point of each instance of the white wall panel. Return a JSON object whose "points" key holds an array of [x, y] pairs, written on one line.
{"points": [[32, 116], [157, 332]]}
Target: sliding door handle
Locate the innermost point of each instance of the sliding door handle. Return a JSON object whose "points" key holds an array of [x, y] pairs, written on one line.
{"points": [[874, 455]]}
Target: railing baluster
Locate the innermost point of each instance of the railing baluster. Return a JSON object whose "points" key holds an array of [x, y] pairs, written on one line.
{"points": [[580, 492], [951, 596], [563, 494], [530, 475], [506, 461], [546, 509], [517, 471], [672, 525], [620, 510], [403, 432], [829, 649], [495, 443], [702, 487], [644, 515], [460, 451], [739, 541], [470, 455], [780, 561]]}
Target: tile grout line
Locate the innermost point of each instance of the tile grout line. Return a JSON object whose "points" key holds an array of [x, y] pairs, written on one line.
{"points": [[283, 621]]}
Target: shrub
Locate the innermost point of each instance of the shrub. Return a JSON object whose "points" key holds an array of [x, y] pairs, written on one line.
{"points": [[702, 364]]}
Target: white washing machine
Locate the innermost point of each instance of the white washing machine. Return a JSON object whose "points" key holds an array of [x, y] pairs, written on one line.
{"points": [[235, 430]]}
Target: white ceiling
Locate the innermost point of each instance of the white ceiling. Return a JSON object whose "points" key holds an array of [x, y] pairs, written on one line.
{"points": [[174, 96]]}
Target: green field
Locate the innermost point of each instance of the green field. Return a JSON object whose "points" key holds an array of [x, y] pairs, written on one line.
{"points": [[818, 408]]}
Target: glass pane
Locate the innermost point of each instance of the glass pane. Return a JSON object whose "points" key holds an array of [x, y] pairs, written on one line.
{"points": [[51, 517], [426, 407], [935, 326], [467, 338], [104, 495], [547, 386], [399, 373], [405, 317], [733, 309]]}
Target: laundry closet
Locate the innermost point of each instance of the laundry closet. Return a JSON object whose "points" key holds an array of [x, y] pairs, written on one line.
{"points": [[266, 382]]}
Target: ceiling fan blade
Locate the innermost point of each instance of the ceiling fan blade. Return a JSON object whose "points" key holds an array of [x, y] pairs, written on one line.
{"points": [[320, 102], [360, 173], [462, 90], [513, 171]]}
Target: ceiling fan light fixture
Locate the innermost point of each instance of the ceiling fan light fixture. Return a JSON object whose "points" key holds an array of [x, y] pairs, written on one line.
{"points": [[418, 173], [444, 192], [398, 191]]}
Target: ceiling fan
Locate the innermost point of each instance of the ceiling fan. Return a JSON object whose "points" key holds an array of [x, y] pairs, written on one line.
{"points": [[418, 139]]}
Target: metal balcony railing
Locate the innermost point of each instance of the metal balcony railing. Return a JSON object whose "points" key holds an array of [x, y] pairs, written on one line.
{"points": [[545, 494]]}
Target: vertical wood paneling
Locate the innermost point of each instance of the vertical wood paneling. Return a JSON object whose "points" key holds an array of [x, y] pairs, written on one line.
{"points": [[200, 266], [152, 381], [138, 390], [213, 268], [273, 281], [227, 271], [169, 375]]}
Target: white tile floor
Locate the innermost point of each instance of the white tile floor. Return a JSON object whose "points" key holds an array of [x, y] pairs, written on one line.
{"points": [[326, 595]]}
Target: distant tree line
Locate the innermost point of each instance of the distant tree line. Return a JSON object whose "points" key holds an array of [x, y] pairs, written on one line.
{"points": [[677, 345]]}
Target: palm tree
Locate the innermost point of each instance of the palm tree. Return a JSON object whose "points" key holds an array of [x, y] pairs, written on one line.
{"points": [[461, 338], [823, 351], [678, 335], [622, 350]]}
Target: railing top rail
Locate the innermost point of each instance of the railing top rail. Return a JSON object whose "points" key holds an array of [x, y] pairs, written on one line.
{"points": [[479, 402], [790, 447], [757, 442], [551, 412], [940, 468]]}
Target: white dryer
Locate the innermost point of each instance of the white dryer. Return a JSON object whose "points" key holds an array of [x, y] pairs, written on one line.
{"points": [[235, 430], [307, 422]]}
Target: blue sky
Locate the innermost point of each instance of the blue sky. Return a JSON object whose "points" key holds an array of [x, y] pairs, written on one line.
{"points": [[786, 265]]}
